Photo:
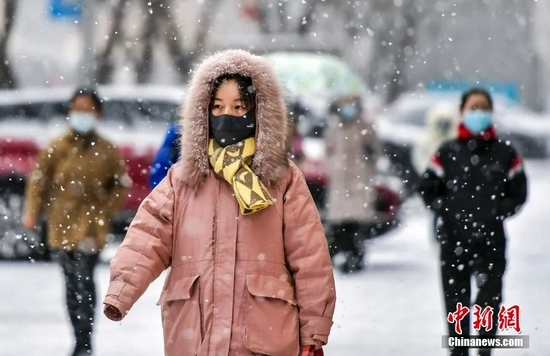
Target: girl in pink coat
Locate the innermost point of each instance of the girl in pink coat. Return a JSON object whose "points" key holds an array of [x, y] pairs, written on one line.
{"points": [[235, 224]]}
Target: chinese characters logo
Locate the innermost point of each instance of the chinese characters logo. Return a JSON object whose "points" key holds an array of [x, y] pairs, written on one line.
{"points": [[508, 318]]}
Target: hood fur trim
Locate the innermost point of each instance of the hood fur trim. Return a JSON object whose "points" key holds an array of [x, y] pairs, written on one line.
{"points": [[270, 160]]}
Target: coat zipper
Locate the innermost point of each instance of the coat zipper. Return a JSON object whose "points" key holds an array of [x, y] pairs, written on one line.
{"points": [[214, 239], [215, 223], [214, 233]]}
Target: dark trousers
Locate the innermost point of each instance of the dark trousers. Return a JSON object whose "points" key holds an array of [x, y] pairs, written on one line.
{"points": [[484, 261], [80, 293], [349, 237], [435, 223]]}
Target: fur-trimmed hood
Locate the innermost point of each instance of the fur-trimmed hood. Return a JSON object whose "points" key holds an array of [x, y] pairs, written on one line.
{"points": [[270, 160], [442, 112]]}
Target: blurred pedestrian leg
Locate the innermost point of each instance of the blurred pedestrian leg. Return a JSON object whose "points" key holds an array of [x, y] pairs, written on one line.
{"points": [[435, 224], [347, 236], [455, 280], [78, 270]]}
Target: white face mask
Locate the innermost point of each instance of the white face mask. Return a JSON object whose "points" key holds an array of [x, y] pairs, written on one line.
{"points": [[82, 122]]}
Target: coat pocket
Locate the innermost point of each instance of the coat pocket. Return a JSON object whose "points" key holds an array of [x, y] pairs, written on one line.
{"points": [[181, 316], [270, 316]]}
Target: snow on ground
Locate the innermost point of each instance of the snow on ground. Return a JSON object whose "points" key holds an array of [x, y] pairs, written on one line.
{"points": [[393, 308]]}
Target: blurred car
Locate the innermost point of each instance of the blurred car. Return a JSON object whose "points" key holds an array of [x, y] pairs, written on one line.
{"points": [[134, 118], [402, 125], [317, 79]]}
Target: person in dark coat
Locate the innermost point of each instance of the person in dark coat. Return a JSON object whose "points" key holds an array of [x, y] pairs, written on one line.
{"points": [[474, 183], [167, 155]]}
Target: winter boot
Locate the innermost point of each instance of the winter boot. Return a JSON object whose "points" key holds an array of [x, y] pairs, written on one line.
{"points": [[83, 346], [352, 264], [460, 351], [82, 351]]}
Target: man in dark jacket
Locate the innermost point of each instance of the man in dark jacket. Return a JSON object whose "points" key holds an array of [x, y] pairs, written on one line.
{"points": [[473, 183]]}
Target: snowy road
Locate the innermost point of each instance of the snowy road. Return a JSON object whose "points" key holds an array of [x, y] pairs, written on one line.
{"points": [[393, 308]]}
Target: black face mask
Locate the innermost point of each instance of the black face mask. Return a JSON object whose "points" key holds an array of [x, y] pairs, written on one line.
{"points": [[229, 129]]}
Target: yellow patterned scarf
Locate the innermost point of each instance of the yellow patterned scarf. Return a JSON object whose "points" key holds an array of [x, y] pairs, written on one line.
{"points": [[233, 164]]}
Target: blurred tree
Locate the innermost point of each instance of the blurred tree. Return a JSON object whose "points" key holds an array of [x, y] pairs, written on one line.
{"points": [[105, 62], [395, 26], [405, 40], [7, 77], [159, 25], [282, 12], [392, 27], [306, 19]]}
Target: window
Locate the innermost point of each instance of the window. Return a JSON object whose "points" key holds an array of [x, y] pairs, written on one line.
{"points": [[33, 111], [141, 112], [129, 112]]}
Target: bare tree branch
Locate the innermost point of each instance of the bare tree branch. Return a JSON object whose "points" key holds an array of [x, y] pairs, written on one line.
{"points": [[406, 39], [283, 16], [180, 58], [159, 16], [209, 10], [263, 17], [7, 77], [145, 60], [398, 27], [104, 61], [306, 20], [174, 41]]}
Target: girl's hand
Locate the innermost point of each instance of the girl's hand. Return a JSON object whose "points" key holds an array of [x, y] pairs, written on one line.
{"points": [[28, 222], [311, 350], [112, 312]]}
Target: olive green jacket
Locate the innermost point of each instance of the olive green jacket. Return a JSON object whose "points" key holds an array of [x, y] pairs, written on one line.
{"points": [[78, 183]]}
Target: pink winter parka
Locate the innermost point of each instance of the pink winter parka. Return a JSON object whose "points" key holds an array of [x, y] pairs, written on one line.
{"points": [[237, 285]]}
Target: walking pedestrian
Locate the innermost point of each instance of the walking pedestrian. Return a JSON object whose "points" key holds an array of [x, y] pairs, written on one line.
{"points": [[250, 271], [474, 183], [79, 183], [352, 149]]}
